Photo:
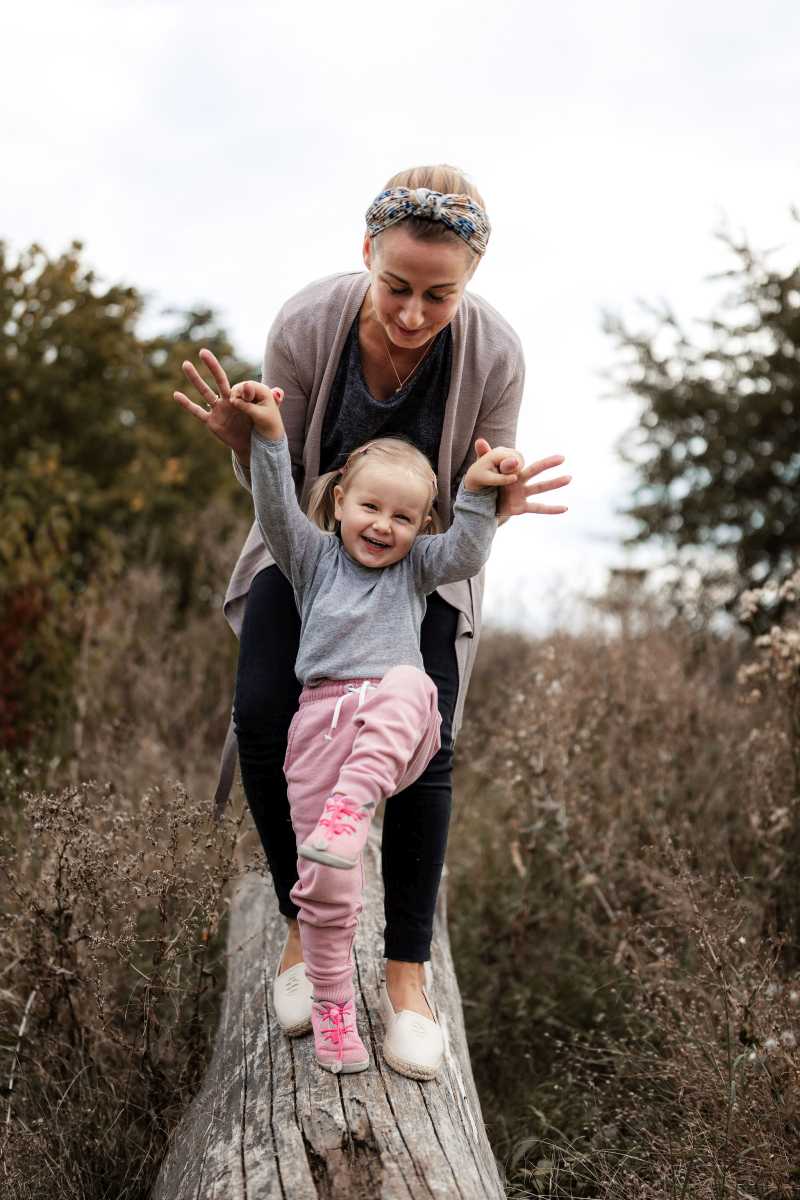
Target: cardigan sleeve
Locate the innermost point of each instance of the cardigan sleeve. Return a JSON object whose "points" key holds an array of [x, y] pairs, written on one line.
{"points": [[497, 417], [498, 422]]}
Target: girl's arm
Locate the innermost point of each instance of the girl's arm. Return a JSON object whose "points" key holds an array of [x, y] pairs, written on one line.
{"points": [[464, 548], [279, 364], [294, 542]]}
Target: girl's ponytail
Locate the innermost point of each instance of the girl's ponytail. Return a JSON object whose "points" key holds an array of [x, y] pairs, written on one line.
{"points": [[321, 507]]}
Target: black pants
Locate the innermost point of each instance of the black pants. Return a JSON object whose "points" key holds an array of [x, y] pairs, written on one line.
{"points": [[415, 821]]}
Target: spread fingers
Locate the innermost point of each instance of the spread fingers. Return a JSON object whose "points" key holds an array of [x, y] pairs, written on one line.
{"points": [[191, 407]]}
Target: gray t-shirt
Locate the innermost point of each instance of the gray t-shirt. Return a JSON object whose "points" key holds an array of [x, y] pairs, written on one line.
{"points": [[358, 622]]}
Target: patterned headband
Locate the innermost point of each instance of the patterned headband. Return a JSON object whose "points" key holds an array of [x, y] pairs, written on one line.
{"points": [[459, 213]]}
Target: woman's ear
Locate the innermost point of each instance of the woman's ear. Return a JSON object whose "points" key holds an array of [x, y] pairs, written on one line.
{"points": [[473, 266], [367, 251]]}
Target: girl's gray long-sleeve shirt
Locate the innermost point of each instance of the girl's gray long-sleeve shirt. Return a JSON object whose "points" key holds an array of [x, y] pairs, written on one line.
{"points": [[358, 622]]}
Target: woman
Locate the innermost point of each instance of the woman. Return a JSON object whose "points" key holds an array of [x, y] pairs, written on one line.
{"points": [[400, 348]]}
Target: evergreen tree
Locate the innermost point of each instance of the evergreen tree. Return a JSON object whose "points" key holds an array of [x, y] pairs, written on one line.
{"points": [[717, 444]]}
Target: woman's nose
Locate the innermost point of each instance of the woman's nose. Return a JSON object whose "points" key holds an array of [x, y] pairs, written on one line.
{"points": [[411, 315]]}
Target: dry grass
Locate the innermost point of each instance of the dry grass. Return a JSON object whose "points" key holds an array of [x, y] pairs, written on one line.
{"points": [[111, 949], [114, 905], [624, 827], [622, 904]]}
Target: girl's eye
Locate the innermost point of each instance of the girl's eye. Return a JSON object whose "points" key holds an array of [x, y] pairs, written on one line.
{"points": [[369, 506], [400, 517]]}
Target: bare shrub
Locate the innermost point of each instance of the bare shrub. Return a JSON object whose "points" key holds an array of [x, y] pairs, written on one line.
{"points": [[111, 939], [153, 683], [114, 901], [619, 824], [773, 670]]}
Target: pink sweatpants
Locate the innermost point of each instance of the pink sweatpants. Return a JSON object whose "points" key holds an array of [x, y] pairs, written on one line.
{"points": [[365, 740]]}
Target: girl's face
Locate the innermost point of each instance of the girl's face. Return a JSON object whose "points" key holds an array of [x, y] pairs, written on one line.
{"points": [[381, 510], [416, 286]]}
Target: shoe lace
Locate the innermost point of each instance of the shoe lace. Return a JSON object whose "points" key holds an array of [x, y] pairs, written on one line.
{"points": [[339, 1029], [341, 815]]}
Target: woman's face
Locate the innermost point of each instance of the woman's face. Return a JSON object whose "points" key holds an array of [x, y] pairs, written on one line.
{"points": [[416, 286]]}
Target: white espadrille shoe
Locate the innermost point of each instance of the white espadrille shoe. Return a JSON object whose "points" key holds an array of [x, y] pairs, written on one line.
{"points": [[291, 1000], [413, 1045]]}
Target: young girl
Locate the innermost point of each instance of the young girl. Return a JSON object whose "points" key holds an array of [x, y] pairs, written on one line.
{"points": [[368, 721]]}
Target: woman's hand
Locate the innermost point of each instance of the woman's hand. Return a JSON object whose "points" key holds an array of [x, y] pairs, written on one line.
{"points": [[220, 417], [515, 497], [260, 405], [492, 468]]}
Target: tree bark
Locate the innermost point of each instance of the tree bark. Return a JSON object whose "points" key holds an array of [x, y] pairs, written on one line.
{"points": [[268, 1122]]}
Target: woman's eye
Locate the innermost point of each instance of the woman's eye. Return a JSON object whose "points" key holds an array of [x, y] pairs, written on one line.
{"points": [[403, 291]]}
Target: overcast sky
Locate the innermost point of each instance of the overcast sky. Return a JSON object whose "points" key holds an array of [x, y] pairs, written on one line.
{"points": [[192, 146]]}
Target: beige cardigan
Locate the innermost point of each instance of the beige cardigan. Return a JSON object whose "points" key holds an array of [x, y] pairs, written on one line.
{"points": [[302, 355]]}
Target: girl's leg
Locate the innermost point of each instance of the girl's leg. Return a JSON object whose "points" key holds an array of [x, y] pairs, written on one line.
{"points": [[328, 901], [266, 699], [383, 739], [416, 821], [395, 735]]}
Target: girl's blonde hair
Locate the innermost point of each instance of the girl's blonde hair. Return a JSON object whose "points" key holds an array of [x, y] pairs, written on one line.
{"points": [[321, 501], [439, 178]]}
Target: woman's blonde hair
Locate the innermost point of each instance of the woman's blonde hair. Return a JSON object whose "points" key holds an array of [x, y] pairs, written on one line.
{"points": [[439, 178], [321, 500]]}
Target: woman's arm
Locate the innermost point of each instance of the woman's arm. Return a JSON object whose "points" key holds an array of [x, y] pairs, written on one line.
{"points": [[216, 412], [231, 426], [498, 426], [497, 421]]}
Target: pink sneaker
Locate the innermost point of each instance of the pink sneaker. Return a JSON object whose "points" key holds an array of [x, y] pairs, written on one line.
{"points": [[339, 835], [337, 1046]]}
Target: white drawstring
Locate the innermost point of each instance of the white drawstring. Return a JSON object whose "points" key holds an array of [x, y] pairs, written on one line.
{"points": [[351, 688]]}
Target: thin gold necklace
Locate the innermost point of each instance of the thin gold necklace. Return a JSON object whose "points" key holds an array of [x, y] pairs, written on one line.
{"points": [[401, 382]]}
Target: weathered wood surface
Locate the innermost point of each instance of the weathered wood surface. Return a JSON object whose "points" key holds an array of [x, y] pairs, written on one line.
{"points": [[268, 1122]]}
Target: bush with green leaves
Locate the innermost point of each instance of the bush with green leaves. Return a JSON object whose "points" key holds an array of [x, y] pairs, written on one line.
{"points": [[99, 467]]}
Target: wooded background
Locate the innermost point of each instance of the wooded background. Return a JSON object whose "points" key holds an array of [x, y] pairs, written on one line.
{"points": [[624, 852]]}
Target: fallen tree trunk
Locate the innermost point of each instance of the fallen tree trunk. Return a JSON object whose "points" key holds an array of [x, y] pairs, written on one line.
{"points": [[268, 1122]]}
